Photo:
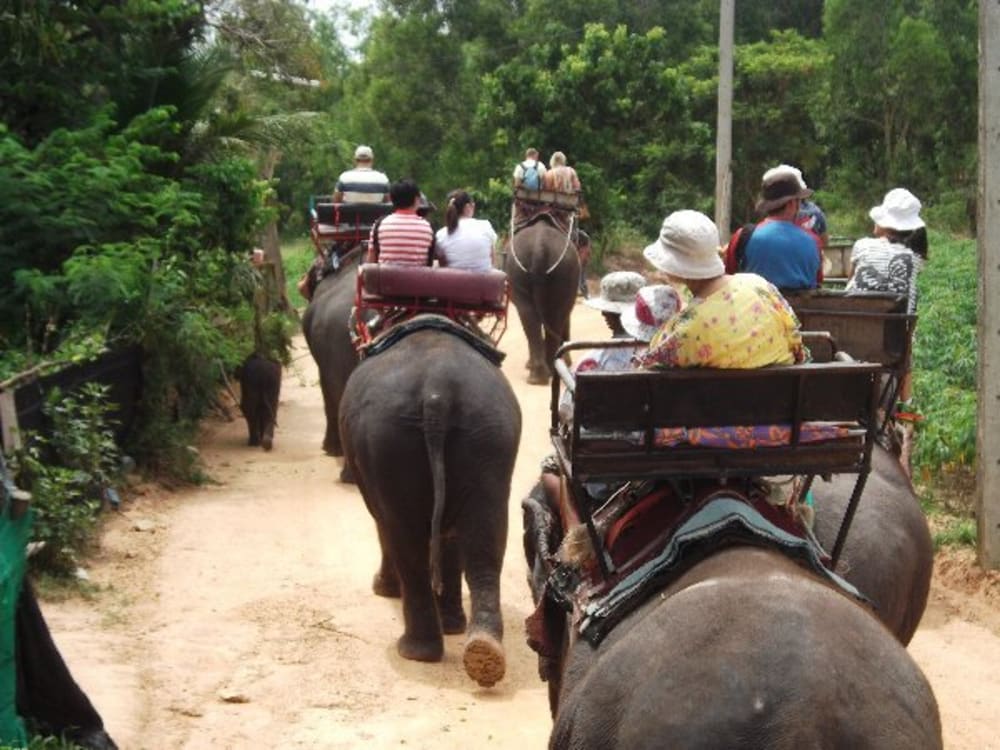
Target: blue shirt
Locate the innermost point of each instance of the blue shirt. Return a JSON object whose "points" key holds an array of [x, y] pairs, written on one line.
{"points": [[784, 254]]}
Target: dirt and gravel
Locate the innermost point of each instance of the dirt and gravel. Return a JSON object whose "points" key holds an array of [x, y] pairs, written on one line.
{"points": [[239, 614]]}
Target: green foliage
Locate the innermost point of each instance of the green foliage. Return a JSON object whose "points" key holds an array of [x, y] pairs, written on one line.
{"points": [[66, 472], [902, 96], [958, 532], [944, 362]]}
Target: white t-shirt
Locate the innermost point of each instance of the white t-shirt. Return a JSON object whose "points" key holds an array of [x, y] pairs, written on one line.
{"points": [[469, 247], [519, 170], [362, 185]]}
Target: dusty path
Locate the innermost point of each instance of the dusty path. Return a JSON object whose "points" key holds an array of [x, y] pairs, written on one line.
{"points": [[245, 619]]}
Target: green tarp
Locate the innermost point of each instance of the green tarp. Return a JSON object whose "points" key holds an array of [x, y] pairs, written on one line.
{"points": [[13, 538]]}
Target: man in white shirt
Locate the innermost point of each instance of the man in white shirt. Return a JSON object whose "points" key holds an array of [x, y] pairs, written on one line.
{"points": [[363, 184], [529, 173]]}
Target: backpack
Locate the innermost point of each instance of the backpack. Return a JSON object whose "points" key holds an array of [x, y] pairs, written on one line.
{"points": [[531, 180], [739, 252]]}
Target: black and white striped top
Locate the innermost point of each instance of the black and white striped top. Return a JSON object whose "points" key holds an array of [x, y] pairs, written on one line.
{"points": [[883, 266]]}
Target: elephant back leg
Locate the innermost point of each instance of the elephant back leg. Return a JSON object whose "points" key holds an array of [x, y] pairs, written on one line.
{"points": [[483, 537], [422, 635], [526, 302]]}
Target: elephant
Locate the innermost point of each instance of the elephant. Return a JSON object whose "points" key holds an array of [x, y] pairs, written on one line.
{"points": [[260, 386], [430, 429], [325, 325], [745, 648], [543, 266], [888, 554]]}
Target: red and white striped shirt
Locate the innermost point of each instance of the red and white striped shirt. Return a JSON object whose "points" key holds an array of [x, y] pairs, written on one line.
{"points": [[404, 238]]}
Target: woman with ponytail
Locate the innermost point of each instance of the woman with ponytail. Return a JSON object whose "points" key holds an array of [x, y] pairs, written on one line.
{"points": [[465, 242]]}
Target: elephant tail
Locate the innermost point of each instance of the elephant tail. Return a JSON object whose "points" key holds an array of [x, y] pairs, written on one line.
{"points": [[434, 434]]}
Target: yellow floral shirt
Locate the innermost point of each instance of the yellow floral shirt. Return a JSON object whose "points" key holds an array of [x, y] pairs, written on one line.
{"points": [[746, 324]]}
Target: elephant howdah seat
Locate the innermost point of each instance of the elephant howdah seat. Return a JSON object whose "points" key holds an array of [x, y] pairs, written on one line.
{"points": [[399, 292], [724, 425], [567, 201], [868, 326], [345, 224]]}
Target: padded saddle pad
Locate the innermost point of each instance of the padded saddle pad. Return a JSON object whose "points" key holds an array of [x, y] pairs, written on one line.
{"points": [[479, 288]]}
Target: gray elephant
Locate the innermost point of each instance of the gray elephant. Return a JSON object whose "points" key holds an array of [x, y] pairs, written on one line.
{"points": [[260, 387], [325, 326], [430, 429], [745, 648], [888, 554], [543, 266]]}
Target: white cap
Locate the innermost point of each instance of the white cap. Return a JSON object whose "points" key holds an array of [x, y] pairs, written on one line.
{"points": [[363, 153]]}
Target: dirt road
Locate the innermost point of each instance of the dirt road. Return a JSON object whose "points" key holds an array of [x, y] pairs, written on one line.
{"points": [[243, 618]]}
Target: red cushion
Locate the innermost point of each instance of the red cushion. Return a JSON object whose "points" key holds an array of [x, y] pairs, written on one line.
{"points": [[481, 288]]}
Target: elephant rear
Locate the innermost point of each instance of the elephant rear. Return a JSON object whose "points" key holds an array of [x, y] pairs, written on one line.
{"points": [[260, 388], [430, 429], [752, 652]]}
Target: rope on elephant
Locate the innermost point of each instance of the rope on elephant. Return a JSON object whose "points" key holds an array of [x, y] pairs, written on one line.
{"points": [[513, 252]]}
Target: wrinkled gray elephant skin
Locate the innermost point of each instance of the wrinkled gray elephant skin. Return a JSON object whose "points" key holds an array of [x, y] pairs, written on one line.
{"points": [[260, 387], [430, 429], [544, 273], [324, 324], [889, 553], [745, 649]]}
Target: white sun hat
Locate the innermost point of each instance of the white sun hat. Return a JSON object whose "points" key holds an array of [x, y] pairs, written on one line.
{"points": [[900, 210], [618, 290], [688, 247], [654, 306]]}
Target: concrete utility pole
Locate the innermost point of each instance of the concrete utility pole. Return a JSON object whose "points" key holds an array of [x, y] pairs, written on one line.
{"points": [[724, 123], [988, 231]]}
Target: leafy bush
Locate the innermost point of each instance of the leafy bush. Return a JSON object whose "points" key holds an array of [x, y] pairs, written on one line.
{"points": [[944, 361], [67, 472]]}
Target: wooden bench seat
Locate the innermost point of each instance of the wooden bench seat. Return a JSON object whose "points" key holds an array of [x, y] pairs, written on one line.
{"points": [[643, 401]]}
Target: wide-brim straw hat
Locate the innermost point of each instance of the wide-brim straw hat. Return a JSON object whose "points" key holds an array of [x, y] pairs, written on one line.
{"points": [[899, 210], [618, 290], [654, 306], [688, 247]]}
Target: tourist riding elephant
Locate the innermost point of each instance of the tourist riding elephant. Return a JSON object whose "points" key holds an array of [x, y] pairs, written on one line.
{"points": [[324, 324], [544, 271], [744, 648], [888, 554], [430, 429]]}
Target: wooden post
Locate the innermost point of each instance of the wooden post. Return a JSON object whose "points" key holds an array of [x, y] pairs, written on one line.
{"points": [[724, 122], [988, 232]]}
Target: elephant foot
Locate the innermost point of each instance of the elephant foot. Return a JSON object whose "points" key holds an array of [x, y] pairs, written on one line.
{"points": [[332, 449], [253, 441], [453, 621], [430, 649], [538, 378], [347, 475], [387, 586], [267, 443], [484, 659]]}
